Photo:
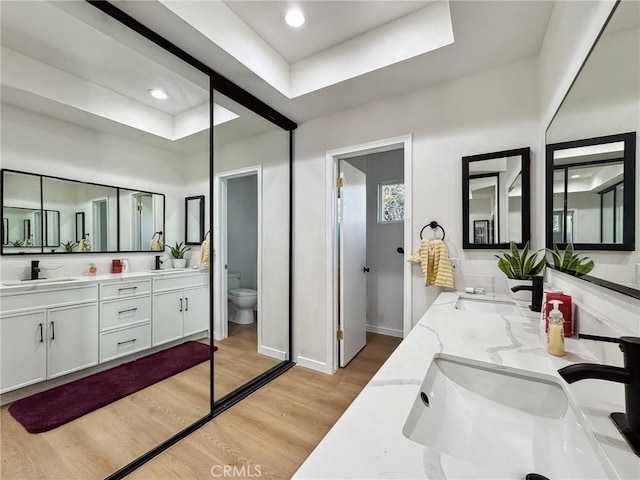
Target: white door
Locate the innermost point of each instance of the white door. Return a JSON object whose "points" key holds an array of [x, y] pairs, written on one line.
{"points": [[196, 310], [168, 312], [353, 256]]}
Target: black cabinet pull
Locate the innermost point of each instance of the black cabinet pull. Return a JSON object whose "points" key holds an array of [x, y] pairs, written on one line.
{"points": [[126, 311], [126, 288], [365, 269], [53, 331], [41, 333], [180, 304], [187, 307], [127, 341]]}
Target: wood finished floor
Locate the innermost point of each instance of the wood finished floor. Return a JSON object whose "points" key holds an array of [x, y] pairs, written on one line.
{"points": [[274, 430]]}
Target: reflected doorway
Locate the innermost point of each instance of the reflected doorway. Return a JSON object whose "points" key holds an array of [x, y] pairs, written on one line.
{"points": [[100, 208]]}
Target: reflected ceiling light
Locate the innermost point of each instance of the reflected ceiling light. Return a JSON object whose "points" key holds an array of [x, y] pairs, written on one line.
{"points": [[157, 93], [575, 176], [295, 17]]}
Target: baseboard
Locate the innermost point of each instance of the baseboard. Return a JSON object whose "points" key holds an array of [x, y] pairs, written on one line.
{"points": [[392, 332], [272, 352], [314, 365]]}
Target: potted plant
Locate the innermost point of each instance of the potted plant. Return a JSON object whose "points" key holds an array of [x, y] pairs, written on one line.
{"points": [[177, 253], [519, 267], [570, 262], [69, 246]]}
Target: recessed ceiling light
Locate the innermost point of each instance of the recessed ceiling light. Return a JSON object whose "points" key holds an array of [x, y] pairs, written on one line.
{"points": [[295, 17], [575, 176], [157, 93]]}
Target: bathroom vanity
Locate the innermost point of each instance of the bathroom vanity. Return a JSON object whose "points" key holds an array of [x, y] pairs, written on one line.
{"points": [[498, 407], [54, 328]]}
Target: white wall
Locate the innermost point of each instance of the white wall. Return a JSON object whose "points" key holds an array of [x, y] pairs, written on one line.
{"points": [[385, 278], [489, 111], [36, 143], [242, 229]]}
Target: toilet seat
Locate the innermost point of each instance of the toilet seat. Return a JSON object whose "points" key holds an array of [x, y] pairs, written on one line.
{"points": [[242, 292]]}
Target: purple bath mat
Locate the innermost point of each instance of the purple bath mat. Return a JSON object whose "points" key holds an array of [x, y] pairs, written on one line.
{"points": [[47, 410]]}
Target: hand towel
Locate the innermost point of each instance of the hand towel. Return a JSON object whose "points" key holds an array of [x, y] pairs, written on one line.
{"points": [[155, 244], [203, 261], [433, 257]]}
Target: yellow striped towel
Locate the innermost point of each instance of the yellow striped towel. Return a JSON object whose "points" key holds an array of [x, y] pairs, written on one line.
{"points": [[433, 257], [203, 261]]}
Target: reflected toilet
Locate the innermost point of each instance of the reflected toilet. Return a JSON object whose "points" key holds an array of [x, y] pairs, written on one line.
{"points": [[241, 300]]}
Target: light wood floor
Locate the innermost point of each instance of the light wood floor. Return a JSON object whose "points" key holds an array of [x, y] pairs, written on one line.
{"points": [[275, 429], [237, 360]]}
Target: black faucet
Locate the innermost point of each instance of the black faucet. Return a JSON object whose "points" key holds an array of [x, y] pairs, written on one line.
{"points": [[536, 295], [35, 269], [158, 262], [628, 423]]}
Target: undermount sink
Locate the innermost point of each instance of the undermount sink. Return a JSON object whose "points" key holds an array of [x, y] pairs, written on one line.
{"points": [[486, 305], [40, 281], [508, 421]]}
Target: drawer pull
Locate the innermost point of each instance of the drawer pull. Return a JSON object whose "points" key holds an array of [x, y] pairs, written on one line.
{"points": [[126, 288], [127, 311], [128, 341], [53, 331], [41, 333]]}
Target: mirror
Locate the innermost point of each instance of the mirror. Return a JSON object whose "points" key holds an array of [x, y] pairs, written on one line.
{"points": [[75, 105], [495, 199], [251, 241], [589, 182], [141, 215], [600, 110], [194, 220]]}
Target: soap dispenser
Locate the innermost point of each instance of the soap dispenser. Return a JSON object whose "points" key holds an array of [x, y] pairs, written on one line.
{"points": [[555, 340]]}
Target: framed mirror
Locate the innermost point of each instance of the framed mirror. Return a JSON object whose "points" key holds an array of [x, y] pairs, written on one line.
{"points": [[194, 220], [80, 227], [590, 193], [140, 215], [600, 111], [5, 230], [495, 199]]}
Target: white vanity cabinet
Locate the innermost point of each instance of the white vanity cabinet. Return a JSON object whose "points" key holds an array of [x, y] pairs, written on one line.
{"points": [[47, 333], [125, 318], [180, 307]]}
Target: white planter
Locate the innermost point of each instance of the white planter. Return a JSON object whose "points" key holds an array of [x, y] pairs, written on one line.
{"points": [[522, 295], [179, 262]]}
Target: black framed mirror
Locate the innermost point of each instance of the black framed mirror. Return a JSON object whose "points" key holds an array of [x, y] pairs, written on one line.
{"points": [[80, 229], [194, 220], [496, 199], [590, 193], [600, 106]]}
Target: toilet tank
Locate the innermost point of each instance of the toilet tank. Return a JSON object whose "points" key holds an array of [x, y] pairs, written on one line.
{"points": [[233, 280]]}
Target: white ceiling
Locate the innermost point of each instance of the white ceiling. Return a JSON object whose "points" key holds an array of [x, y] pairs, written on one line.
{"points": [[487, 34]]}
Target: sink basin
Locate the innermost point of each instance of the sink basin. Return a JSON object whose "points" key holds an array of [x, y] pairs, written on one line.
{"points": [[486, 305], [508, 421], [40, 281], [166, 271]]}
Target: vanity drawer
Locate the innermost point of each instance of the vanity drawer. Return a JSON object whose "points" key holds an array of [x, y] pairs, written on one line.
{"points": [[51, 298], [124, 342], [120, 313], [124, 289], [172, 283]]}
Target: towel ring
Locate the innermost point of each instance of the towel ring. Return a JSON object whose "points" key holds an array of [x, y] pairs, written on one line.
{"points": [[433, 225], [206, 235]]}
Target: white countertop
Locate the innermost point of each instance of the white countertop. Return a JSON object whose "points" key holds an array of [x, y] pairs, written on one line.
{"points": [[73, 281], [367, 441]]}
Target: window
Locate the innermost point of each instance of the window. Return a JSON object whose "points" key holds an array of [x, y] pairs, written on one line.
{"points": [[391, 201]]}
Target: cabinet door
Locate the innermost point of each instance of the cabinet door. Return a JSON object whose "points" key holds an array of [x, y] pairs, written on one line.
{"points": [[196, 311], [72, 335], [23, 347], [168, 309]]}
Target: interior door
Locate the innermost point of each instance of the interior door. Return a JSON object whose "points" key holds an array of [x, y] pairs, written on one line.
{"points": [[353, 255]]}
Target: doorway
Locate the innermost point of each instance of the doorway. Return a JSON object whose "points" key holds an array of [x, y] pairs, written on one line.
{"points": [[369, 279], [143, 230], [100, 209]]}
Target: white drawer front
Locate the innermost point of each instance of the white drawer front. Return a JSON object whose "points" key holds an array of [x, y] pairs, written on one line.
{"points": [[124, 342], [124, 289], [170, 283], [119, 313], [51, 298]]}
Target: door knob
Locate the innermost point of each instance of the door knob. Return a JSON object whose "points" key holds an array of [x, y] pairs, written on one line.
{"points": [[365, 269]]}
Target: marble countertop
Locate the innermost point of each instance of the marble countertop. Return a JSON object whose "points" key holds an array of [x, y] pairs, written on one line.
{"points": [[367, 441], [15, 286]]}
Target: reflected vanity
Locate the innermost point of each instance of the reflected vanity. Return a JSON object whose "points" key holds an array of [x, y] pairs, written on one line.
{"points": [[495, 199], [591, 171]]}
